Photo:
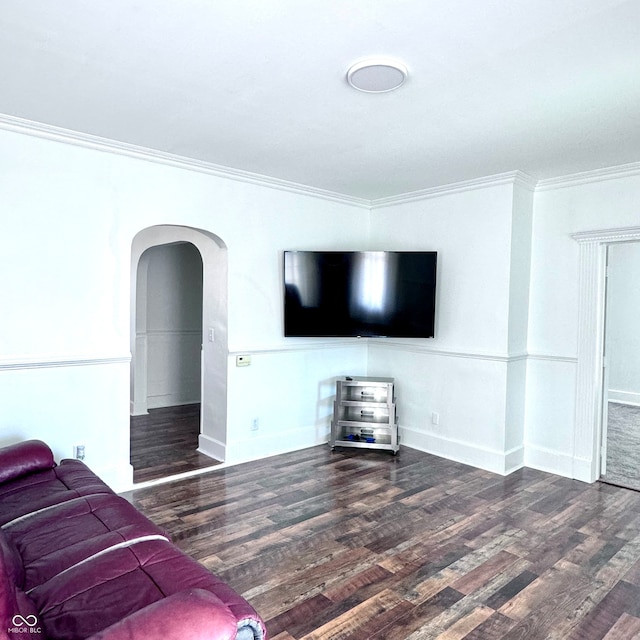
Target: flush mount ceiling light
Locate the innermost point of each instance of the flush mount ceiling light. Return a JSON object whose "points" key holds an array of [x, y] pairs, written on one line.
{"points": [[377, 75]]}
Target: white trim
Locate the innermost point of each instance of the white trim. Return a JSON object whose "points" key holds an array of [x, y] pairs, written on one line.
{"points": [[47, 362], [254, 445], [211, 447], [511, 177], [382, 343], [587, 177], [549, 357], [97, 143], [548, 460], [331, 343], [165, 400], [449, 353], [170, 332], [494, 460], [338, 343], [623, 234], [138, 408], [628, 398], [87, 141], [398, 345], [513, 459], [587, 436]]}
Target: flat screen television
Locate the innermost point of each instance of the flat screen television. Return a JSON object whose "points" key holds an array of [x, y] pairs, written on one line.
{"points": [[359, 293]]}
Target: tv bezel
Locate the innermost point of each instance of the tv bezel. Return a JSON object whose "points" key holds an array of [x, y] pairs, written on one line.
{"points": [[397, 335]]}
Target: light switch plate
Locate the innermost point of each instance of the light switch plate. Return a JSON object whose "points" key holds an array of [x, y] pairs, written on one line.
{"points": [[243, 361]]}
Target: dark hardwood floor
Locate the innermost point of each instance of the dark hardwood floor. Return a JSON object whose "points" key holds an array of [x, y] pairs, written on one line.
{"points": [[164, 443], [358, 544]]}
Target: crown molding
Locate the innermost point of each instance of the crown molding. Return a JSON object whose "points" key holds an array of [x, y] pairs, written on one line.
{"points": [[517, 178], [585, 177], [97, 143], [511, 177]]}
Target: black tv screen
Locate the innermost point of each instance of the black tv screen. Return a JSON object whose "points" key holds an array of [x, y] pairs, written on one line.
{"points": [[359, 293]]}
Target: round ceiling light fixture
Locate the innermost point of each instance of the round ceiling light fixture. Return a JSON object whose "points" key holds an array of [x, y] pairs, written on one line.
{"points": [[377, 75]]}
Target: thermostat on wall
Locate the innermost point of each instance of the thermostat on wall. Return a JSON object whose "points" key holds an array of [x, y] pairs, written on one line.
{"points": [[243, 361]]}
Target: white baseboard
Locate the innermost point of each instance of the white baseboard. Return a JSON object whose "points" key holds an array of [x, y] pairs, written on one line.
{"points": [[624, 397], [558, 463], [211, 447], [513, 459], [583, 470], [258, 446], [138, 408], [161, 402], [501, 462]]}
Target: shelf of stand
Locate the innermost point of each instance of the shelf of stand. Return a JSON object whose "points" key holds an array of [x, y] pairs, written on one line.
{"points": [[364, 414]]}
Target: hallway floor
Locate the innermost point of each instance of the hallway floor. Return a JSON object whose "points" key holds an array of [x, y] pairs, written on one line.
{"points": [[623, 446], [164, 443]]}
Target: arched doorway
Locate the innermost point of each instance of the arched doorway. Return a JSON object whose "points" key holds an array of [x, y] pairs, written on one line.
{"points": [[212, 333]]}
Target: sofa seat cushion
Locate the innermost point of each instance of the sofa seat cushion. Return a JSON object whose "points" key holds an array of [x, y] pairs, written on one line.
{"points": [[11, 560], [91, 596], [35, 491], [188, 614], [17, 610], [54, 539]]}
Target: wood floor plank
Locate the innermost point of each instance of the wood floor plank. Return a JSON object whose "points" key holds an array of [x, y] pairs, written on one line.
{"points": [[465, 625], [475, 578], [348, 623], [626, 628], [495, 626]]}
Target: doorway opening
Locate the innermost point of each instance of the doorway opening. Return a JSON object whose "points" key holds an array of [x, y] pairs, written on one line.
{"points": [[179, 352], [621, 380], [588, 449]]}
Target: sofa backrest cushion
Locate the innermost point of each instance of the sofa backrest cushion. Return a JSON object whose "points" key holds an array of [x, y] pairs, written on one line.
{"points": [[24, 457]]}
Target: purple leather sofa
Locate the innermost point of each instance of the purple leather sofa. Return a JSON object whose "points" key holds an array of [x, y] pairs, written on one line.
{"points": [[78, 562]]}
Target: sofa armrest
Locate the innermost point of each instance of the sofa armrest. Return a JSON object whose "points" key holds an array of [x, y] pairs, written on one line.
{"points": [[195, 614], [24, 457]]}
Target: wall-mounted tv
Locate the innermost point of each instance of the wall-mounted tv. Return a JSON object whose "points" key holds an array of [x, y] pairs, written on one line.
{"points": [[359, 293]]}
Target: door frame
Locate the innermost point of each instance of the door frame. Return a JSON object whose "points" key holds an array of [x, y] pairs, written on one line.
{"points": [[213, 251], [588, 427]]}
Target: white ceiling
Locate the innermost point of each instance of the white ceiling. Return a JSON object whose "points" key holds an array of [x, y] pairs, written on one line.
{"points": [[547, 87]]}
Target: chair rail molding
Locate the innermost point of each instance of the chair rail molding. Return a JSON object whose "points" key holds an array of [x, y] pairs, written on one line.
{"points": [[589, 379]]}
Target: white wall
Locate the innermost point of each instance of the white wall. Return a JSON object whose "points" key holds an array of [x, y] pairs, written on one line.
{"points": [[69, 217], [172, 324], [472, 373], [622, 332], [552, 442]]}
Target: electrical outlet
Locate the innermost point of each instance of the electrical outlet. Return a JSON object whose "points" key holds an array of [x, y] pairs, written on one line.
{"points": [[435, 418], [78, 451], [255, 424]]}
